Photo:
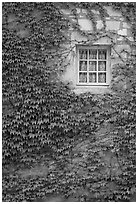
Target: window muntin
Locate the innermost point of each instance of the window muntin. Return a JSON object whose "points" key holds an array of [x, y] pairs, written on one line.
{"points": [[93, 66]]}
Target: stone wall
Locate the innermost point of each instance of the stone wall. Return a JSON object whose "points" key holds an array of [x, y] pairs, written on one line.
{"points": [[114, 32]]}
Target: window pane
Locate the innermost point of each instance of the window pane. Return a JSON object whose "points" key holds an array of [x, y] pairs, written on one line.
{"points": [[102, 66], [102, 77], [83, 66], [92, 66], [93, 54], [92, 77], [83, 54], [101, 54], [82, 77]]}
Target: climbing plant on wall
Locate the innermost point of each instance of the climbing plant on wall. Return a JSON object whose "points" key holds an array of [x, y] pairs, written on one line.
{"points": [[43, 118]]}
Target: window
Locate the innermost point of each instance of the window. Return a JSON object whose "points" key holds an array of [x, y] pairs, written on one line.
{"points": [[93, 65]]}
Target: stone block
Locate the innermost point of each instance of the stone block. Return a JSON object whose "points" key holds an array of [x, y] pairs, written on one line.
{"points": [[120, 48], [124, 55], [122, 32], [103, 41], [99, 24], [78, 10], [131, 38], [11, 18], [113, 54], [82, 15], [95, 12], [85, 24], [112, 25], [112, 12], [115, 60], [129, 33], [77, 36], [34, 172], [125, 25], [66, 11], [120, 38], [23, 33], [84, 11], [108, 18]]}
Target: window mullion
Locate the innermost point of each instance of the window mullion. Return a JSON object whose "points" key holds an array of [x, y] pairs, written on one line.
{"points": [[97, 67], [78, 67], [106, 73], [88, 66]]}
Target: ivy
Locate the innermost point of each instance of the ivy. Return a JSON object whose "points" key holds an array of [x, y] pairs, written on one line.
{"points": [[43, 120]]}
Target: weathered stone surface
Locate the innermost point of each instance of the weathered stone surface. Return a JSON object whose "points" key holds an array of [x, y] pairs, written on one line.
{"points": [[111, 12], [77, 36], [11, 18], [85, 24], [82, 15], [95, 90], [103, 41], [95, 12], [131, 38], [125, 25], [124, 55], [84, 11], [78, 10], [113, 54], [34, 172], [120, 39], [23, 33], [120, 48], [122, 32], [129, 33], [99, 24], [112, 25], [66, 11], [37, 14]]}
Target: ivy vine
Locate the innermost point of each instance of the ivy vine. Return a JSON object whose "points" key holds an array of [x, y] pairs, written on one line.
{"points": [[44, 120]]}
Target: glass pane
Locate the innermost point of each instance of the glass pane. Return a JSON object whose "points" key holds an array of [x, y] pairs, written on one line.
{"points": [[83, 54], [83, 66], [82, 77], [92, 77], [102, 66], [93, 54], [101, 54], [92, 66], [102, 78]]}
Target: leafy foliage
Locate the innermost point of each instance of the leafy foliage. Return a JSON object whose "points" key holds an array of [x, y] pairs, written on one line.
{"points": [[44, 120]]}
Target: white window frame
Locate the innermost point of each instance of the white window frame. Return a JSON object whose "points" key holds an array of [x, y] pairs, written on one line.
{"points": [[108, 70]]}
